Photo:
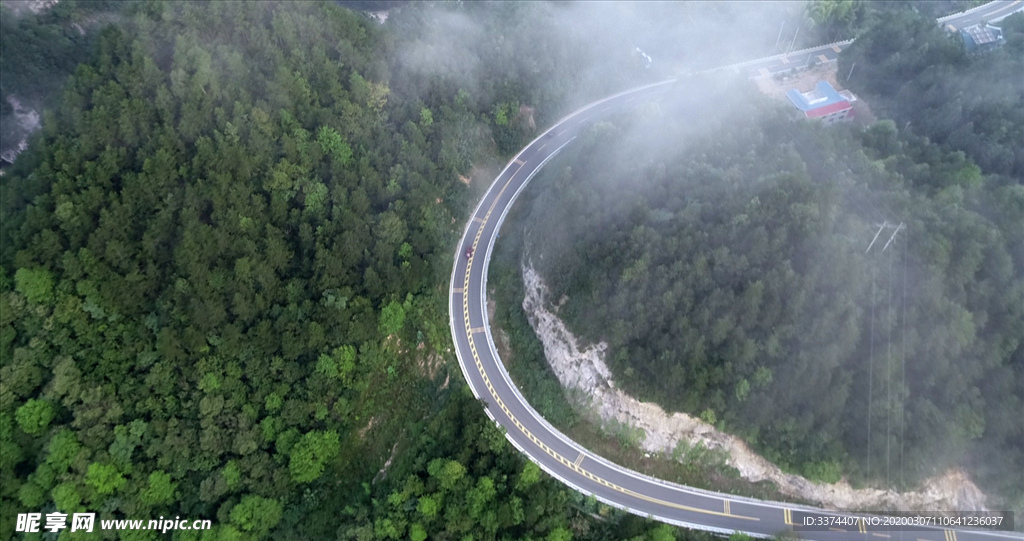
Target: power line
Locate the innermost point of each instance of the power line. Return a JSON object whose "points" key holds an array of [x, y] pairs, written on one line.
{"points": [[797, 33], [888, 357], [880, 228], [871, 366], [892, 238], [903, 358], [888, 370]]}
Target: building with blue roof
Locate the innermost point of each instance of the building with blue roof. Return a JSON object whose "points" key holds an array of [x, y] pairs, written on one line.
{"points": [[981, 37], [824, 102]]}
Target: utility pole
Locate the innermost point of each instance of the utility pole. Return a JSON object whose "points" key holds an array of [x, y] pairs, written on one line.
{"points": [[776, 48], [794, 40], [893, 237], [851, 72], [882, 226]]}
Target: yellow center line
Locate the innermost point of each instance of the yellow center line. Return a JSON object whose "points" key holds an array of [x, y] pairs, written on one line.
{"points": [[862, 526], [726, 502], [880, 535], [501, 404], [477, 329], [578, 460], [835, 48], [836, 529], [823, 58]]}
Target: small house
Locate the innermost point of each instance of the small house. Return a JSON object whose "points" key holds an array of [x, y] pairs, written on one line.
{"points": [[824, 103], [980, 37]]}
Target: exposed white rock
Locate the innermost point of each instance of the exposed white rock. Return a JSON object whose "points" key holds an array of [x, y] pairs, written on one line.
{"points": [[18, 7], [27, 122], [583, 372]]}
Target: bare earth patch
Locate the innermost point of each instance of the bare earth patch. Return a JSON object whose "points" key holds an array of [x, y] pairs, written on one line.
{"points": [[19, 7], [805, 79], [383, 472], [428, 363], [802, 81], [365, 429], [582, 372], [526, 116], [27, 121]]}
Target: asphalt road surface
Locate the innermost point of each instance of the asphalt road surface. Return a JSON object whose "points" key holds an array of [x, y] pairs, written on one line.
{"points": [[567, 460], [991, 12]]}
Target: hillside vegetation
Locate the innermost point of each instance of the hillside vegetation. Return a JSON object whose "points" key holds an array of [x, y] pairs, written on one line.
{"points": [[729, 276], [962, 101], [223, 281]]}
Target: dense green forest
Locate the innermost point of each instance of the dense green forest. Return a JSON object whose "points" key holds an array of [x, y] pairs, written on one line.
{"points": [[224, 261], [39, 52], [829, 21], [223, 268], [731, 278], [921, 76]]}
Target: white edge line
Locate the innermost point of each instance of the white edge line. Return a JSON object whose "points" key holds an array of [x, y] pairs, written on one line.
{"points": [[968, 11], [666, 484]]}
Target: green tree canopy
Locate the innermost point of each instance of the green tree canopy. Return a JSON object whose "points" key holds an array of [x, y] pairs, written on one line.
{"points": [[34, 416], [311, 454]]}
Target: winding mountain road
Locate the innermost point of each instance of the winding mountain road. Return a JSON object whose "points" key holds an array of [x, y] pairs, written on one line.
{"points": [[568, 461]]}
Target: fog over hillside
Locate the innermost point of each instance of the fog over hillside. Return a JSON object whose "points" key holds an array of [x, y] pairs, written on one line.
{"points": [[225, 258], [563, 55], [723, 254]]}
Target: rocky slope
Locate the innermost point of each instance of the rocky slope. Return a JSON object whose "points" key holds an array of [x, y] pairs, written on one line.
{"points": [[583, 369], [23, 121]]}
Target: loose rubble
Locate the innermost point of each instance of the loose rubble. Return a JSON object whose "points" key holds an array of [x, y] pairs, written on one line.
{"points": [[582, 372]]}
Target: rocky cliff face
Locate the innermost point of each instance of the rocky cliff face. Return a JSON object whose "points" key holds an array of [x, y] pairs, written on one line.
{"points": [[23, 122], [583, 369], [20, 7]]}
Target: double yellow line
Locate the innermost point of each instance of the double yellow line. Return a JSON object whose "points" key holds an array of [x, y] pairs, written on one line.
{"points": [[573, 465]]}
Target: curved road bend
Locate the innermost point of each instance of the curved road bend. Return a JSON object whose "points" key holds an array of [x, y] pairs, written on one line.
{"points": [[557, 454]]}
